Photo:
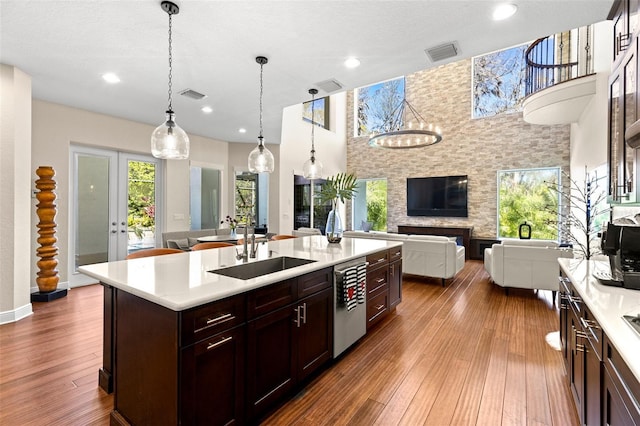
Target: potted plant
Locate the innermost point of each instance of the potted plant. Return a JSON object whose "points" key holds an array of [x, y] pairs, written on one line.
{"points": [[336, 189]]}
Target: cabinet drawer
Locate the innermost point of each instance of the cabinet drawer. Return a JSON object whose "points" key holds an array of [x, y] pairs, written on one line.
{"points": [[377, 281], [377, 260], [591, 327], [623, 379], [212, 318], [395, 254], [377, 307], [314, 282], [271, 297]]}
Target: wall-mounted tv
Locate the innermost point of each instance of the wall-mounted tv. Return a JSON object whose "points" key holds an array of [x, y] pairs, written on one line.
{"points": [[437, 196]]}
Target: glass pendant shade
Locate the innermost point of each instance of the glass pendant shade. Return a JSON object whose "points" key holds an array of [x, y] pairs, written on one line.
{"points": [[312, 169], [169, 141], [261, 159]]}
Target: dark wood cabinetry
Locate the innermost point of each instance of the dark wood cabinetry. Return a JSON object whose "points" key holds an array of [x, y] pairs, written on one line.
{"points": [[384, 284], [604, 389], [624, 126], [289, 340]]}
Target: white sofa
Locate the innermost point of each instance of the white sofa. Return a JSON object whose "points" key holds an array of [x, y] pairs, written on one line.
{"points": [[531, 264], [426, 255]]}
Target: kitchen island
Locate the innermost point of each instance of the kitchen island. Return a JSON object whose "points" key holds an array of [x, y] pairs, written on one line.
{"points": [[601, 349], [184, 345]]}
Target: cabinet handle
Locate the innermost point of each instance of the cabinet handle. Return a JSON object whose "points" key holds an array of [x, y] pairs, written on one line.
{"points": [[379, 307], [297, 320], [380, 280], [580, 348], [382, 259], [220, 318], [304, 314], [221, 342], [581, 334], [589, 324]]}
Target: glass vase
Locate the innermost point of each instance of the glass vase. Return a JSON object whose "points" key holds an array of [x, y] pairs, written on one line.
{"points": [[333, 230]]}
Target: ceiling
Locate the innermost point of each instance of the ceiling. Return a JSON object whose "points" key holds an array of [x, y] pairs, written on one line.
{"points": [[66, 46]]}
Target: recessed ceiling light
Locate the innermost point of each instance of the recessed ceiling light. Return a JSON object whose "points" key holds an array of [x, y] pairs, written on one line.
{"points": [[352, 63], [111, 78], [207, 109], [242, 130], [504, 11]]}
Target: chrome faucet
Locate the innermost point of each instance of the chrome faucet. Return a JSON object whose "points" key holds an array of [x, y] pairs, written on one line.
{"points": [[252, 254]]}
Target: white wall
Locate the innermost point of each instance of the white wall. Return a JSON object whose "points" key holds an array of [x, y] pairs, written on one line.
{"points": [[330, 145], [56, 127], [15, 193]]}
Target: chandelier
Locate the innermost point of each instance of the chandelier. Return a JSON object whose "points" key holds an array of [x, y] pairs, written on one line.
{"points": [[312, 168], [405, 128]]}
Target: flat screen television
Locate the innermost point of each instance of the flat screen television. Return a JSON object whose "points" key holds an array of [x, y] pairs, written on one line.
{"points": [[437, 196]]}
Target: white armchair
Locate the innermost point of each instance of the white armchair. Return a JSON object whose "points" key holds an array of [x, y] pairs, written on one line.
{"points": [[529, 264]]}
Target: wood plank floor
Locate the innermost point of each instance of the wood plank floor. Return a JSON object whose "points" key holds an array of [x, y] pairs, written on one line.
{"points": [[464, 354]]}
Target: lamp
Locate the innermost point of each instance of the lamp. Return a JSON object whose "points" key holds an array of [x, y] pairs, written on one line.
{"points": [[261, 159], [400, 132], [312, 168], [169, 140]]}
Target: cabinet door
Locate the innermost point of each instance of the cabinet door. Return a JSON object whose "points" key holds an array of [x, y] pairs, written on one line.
{"points": [[564, 311], [614, 410], [576, 364], [270, 359], [616, 140], [314, 332], [395, 283], [213, 380], [630, 117], [593, 376]]}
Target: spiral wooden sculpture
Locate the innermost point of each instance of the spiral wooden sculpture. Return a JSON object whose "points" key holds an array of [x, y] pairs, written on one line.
{"points": [[47, 279]]}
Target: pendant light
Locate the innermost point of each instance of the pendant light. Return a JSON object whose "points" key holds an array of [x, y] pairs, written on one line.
{"points": [[168, 140], [312, 168], [261, 159]]}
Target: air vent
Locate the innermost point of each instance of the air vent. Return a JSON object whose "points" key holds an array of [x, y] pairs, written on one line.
{"points": [[442, 52], [330, 85], [193, 94]]}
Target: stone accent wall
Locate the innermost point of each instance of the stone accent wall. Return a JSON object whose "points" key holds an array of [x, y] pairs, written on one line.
{"points": [[474, 147]]}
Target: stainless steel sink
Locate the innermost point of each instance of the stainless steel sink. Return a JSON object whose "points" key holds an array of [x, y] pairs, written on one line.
{"points": [[247, 271]]}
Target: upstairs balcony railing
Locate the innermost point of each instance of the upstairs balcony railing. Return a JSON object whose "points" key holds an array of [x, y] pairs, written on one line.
{"points": [[558, 58]]}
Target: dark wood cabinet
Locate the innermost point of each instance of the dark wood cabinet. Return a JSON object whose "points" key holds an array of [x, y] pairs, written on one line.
{"points": [[395, 283], [288, 343], [624, 126], [213, 380], [621, 389]]}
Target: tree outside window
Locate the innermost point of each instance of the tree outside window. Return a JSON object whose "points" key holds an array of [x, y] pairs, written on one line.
{"points": [[499, 82], [525, 196], [369, 205], [376, 104]]}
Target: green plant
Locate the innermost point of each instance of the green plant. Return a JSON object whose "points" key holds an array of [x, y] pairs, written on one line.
{"points": [[336, 189]]}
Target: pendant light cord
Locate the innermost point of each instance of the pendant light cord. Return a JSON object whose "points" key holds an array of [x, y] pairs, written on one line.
{"points": [[170, 63], [313, 125], [260, 137]]}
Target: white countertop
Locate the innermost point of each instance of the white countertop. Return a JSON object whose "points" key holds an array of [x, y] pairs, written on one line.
{"points": [[181, 281], [608, 305]]}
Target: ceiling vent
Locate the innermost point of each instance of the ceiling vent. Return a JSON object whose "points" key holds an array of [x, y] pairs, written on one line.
{"points": [[193, 94], [442, 52], [329, 86]]}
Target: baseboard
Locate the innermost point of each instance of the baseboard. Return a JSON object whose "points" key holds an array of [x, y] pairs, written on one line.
{"points": [[16, 314]]}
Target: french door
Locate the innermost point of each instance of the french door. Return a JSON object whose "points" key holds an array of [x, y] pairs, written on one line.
{"points": [[114, 213]]}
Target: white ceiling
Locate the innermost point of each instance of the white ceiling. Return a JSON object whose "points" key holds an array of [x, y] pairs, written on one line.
{"points": [[67, 45]]}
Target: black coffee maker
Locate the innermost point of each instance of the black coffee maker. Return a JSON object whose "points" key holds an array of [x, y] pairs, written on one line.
{"points": [[622, 244]]}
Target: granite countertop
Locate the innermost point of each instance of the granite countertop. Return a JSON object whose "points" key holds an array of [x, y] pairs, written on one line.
{"points": [[182, 281], [608, 305]]}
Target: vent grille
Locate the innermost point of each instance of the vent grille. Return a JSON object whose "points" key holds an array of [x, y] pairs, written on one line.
{"points": [[442, 52], [330, 85], [192, 94]]}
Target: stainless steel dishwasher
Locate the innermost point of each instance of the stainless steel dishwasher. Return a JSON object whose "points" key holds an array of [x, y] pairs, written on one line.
{"points": [[349, 325]]}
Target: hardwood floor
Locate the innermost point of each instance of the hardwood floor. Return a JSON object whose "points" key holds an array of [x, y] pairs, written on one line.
{"points": [[464, 354]]}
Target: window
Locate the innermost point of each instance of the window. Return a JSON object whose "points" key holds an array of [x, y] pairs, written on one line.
{"points": [[375, 105], [525, 196], [370, 205], [499, 82]]}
